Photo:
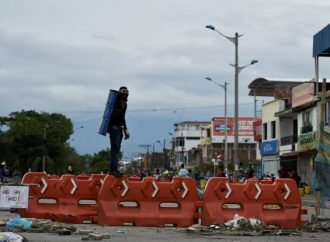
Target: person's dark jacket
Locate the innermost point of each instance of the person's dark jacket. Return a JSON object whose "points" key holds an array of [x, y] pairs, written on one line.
{"points": [[118, 114]]}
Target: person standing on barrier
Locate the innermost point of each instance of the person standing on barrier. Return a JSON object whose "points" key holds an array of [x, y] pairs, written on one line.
{"points": [[117, 130]]}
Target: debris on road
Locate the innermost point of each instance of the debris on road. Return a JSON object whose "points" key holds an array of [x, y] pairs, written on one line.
{"points": [[33, 225], [317, 224], [239, 226], [10, 236]]}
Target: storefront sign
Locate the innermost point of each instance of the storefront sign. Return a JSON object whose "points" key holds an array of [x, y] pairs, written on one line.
{"points": [[307, 141], [269, 147]]}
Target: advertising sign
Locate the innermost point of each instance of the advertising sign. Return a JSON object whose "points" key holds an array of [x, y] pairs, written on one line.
{"points": [[14, 196], [257, 127], [245, 128]]}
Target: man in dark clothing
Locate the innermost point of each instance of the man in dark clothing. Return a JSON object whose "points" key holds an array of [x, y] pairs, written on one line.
{"points": [[282, 173], [117, 129]]}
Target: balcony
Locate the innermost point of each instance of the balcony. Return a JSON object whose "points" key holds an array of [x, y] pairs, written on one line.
{"points": [[306, 129], [289, 140]]}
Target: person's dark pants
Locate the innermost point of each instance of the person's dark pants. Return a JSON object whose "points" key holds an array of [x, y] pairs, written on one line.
{"points": [[116, 136]]}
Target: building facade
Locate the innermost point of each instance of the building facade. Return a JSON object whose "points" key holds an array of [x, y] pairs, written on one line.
{"points": [[198, 143], [187, 136]]}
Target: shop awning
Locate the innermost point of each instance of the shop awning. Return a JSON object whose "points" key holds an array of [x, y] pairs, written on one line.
{"points": [[321, 42]]}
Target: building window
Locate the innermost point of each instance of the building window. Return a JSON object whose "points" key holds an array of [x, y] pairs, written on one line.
{"points": [[273, 126], [307, 122], [265, 131], [208, 133], [193, 138], [179, 141], [307, 118]]}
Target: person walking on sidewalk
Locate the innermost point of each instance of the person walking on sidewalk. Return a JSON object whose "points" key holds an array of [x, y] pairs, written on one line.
{"points": [[117, 130]]}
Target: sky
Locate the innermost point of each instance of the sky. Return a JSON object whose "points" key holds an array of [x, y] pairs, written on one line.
{"points": [[64, 56]]}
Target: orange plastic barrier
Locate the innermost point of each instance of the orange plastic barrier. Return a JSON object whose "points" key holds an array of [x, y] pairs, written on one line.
{"points": [[277, 203], [147, 202], [67, 198], [109, 200]]}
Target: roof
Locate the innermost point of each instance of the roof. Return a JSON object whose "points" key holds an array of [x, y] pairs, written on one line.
{"points": [[321, 42], [263, 87]]}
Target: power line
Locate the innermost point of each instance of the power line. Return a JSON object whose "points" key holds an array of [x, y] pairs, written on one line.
{"points": [[157, 109]]}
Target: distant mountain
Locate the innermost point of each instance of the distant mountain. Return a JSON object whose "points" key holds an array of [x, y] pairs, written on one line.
{"points": [[143, 131]]}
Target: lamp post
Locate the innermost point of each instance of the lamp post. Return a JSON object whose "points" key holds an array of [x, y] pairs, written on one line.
{"points": [[171, 158], [224, 86], [238, 69]]}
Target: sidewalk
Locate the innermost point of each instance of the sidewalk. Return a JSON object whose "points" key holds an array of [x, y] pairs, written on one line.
{"points": [[308, 201]]}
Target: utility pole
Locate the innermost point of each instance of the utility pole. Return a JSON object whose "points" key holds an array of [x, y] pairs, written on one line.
{"points": [[146, 163]]}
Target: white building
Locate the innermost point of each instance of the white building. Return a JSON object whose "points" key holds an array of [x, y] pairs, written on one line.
{"points": [[188, 135]]}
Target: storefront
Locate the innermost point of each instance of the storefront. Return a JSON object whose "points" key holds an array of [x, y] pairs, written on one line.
{"points": [[269, 151], [306, 155]]}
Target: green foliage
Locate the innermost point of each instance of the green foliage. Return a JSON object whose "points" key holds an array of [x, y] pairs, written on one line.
{"points": [[100, 162], [204, 168], [26, 137], [30, 136]]}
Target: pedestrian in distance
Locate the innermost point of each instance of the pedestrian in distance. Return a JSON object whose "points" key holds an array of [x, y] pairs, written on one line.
{"points": [[2, 171], [282, 173], [117, 129], [70, 170], [183, 171], [220, 173]]}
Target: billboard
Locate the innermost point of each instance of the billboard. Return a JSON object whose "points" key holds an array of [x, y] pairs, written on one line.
{"points": [[245, 129], [302, 94], [257, 127]]}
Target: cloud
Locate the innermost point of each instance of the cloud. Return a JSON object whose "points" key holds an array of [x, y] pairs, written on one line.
{"points": [[65, 56]]}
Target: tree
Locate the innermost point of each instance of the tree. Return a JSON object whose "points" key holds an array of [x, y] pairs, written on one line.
{"points": [[31, 135], [100, 161]]}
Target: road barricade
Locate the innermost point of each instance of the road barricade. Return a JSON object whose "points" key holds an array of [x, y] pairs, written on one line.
{"points": [[147, 202], [67, 198], [277, 203]]}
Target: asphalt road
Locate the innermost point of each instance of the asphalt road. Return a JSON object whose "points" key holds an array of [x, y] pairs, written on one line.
{"points": [[167, 234], [142, 234]]}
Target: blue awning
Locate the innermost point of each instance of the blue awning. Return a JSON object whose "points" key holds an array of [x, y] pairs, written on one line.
{"points": [[321, 42]]}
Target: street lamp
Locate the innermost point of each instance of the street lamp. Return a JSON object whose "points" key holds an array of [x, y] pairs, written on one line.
{"points": [[238, 69], [224, 86]]}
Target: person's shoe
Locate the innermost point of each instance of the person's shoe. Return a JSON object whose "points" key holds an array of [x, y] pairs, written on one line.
{"points": [[115, 173]]}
